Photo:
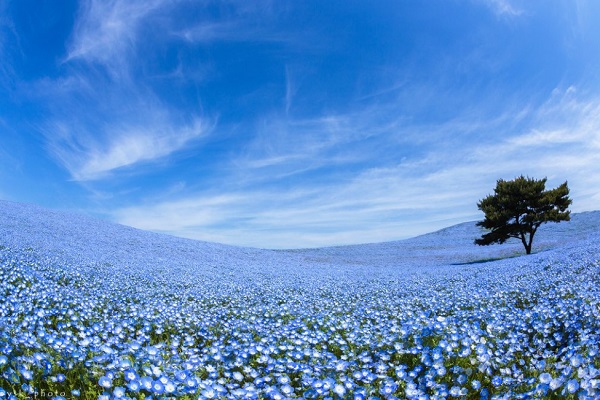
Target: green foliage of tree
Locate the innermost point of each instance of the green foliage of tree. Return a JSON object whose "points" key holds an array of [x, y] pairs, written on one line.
{"points": [[518, 208]]}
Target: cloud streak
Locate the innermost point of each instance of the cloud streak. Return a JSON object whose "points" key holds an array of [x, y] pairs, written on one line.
{"points": [[107, 32], [86, 159], [115, 121], [504, 8]]}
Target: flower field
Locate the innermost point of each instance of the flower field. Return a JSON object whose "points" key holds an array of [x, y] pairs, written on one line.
{"points": [[93, 310]]}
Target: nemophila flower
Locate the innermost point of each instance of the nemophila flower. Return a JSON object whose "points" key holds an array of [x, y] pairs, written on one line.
{"points": [[555, 383], [209, 393], [146, 383], [164, 380], [26, 373], [170, 387], [455, 391], [388, 388], [156, 371], [497, 380], [105, 382], [152, 351], [287, 390], [27, 388], [130, 375], [238, 376], [577, 360], [572, 385], [158, 387], [75, 393], [545, 378], [339, 390], [133, 385], [119, 392], [181, 376]]}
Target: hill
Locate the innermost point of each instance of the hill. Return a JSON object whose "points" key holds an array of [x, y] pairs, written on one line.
{"points": [[81, 237], [94, 310], [454, 245]]}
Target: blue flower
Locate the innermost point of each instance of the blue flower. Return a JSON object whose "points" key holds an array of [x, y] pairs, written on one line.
{"points": [[158, 387], [497, 380], [146, 383], [119, 392], [545, 378], [555, 383], [133, 386], [130, 375], [105, 382], [27, 374], [572, 385]]}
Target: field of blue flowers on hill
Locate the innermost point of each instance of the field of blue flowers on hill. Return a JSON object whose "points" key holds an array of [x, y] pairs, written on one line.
{"points": [[93, 310]]}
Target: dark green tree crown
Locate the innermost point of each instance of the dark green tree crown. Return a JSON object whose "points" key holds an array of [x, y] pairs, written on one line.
{"points": [[518, 207]]}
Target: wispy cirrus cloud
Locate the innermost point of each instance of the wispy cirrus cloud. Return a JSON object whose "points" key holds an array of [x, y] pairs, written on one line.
{"points": [[7, 36], [238, 21], [232, 30], [504, 8], [116, 117], [96, 127], [88, 159], [107, 32], [102, 123]]}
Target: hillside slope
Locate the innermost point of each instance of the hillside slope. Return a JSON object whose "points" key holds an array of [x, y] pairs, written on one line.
{"points": [[454, 245], [79, 237], [98, 310]]}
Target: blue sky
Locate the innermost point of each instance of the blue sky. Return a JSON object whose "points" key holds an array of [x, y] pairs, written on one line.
{"points": [[283, 124]]}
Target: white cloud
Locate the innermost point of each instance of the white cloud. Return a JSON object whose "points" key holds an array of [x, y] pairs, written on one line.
{"points": [[231, 30], [376, 207], [100, 124], [293, 146], [88, 158], [290, 89], [8, 35], [240, 21], [106, 32], [504, 8]]}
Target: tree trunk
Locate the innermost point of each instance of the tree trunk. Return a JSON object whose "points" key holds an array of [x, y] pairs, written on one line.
{"points": [[527, 243], [531, 234]]}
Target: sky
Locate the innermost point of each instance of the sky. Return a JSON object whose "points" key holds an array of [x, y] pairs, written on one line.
{"points": [[291, 124]]}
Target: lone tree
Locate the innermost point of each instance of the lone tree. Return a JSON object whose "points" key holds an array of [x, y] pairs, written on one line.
{"points": [[518, 208]]}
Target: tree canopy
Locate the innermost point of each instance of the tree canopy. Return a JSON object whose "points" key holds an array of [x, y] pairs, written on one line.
{"points": [[518, 208]]}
